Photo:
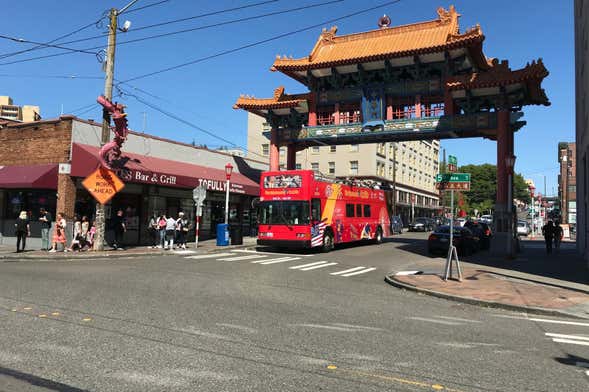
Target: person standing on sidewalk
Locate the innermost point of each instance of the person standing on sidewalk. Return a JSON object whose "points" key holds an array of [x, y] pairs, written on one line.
{"points": [[548, 233], [161, 224], [120, 228], [23, 230], [45, 219], [152, 229], [181, 230], [58, 233], [558, 234], [170, 233]]}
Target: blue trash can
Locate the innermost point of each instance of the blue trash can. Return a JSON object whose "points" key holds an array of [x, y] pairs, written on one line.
{"points": [[222, 234]]}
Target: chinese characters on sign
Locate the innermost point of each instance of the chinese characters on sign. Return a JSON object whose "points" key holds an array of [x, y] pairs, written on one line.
{"points": [[453, 181]]}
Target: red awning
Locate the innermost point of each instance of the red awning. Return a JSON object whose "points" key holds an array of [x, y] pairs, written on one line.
{"points": [[150, 170], [27, 177]]}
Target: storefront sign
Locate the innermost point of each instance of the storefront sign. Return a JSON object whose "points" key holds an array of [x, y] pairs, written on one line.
{"points": [[103, 184]]}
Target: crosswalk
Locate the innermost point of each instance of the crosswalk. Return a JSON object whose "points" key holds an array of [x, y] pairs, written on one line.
{"points": [[296, 263]]}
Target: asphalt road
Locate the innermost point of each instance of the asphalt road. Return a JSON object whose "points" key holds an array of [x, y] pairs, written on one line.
{"points": [[258, 321]]}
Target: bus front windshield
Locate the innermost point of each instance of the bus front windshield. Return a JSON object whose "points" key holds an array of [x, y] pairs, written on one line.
{"points": [[284, 213]]}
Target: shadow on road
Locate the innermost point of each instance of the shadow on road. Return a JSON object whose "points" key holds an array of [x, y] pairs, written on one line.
{"points": [[573, 360], [38, 381]]}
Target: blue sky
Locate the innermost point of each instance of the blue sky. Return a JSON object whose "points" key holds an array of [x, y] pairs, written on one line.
{"points": [[204, 93]]}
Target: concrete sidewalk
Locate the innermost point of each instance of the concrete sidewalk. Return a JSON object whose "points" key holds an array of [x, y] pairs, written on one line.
{"points": [[535, 282], [8, 251]]}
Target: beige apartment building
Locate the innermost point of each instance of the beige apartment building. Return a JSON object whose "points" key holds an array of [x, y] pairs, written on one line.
{"points": [[25, 113], [412, 165]]}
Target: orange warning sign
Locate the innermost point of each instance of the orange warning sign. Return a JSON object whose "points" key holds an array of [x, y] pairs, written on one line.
{"points": [[103, 184]]}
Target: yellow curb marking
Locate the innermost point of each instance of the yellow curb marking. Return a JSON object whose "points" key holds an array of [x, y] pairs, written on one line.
{"points": [[86, 319], [55, 314], [42, 315], [28, 308], [399, 380]]}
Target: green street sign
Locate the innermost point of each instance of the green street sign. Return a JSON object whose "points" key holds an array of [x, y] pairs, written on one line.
{"points": [[452, 160], [453, 177]]}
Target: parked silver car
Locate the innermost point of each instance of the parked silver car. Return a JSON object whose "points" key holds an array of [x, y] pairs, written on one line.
{"points": [[523, 228]]}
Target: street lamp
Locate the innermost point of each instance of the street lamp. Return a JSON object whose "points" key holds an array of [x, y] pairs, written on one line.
{"points": [[509, 164], [532, 189], [228, 171]]}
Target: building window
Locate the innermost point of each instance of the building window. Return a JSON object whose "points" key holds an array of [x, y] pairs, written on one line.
{"points": [[354, 167], [314, 165], [354, 147], [332, 148], [331, 167], [572, 190], [282, 151], [265, 149], [349, 210], [298, 166], [315, 150]]}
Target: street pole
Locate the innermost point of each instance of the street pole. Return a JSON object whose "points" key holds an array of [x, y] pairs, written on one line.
{"points": [[510, 212], [227, 203], [105, 137]]}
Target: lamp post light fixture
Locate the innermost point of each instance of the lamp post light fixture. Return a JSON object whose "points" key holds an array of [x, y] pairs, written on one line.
{"points": [[509, 164], [228, 171]]}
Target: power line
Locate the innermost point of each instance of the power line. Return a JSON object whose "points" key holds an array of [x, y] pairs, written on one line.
{"points": [[185, 122], [247, 46], [145, 27], [22, 40], [144, 7], [71, 77], [184, 30]]}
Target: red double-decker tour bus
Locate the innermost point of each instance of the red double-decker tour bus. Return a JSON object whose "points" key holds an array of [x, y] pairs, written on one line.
{"points": [[304, 209]]}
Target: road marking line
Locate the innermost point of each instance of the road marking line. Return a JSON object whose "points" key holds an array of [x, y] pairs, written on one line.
{"points": [[458, 319], [42, 315], [358, 327], [28, 308], [87, 319], [346, 271], [284, 259], [544, 320], [209, 256], [560, 335], [239, 258], [580, 343], [359, 272], [317, 266], [434, 321], [55, 313], [268, 253], [307, 265], [266, 260], [403, 273]]}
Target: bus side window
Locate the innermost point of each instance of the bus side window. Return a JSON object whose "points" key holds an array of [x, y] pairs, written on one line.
{"points": [[358, 210], [349, 210], [367, 211], [315, 210]]}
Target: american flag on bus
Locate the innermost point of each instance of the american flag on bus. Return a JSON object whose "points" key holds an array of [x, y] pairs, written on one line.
{"points": [[317, 233]]}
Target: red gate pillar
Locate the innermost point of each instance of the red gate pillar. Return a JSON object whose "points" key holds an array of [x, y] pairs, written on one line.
{"points": [[312, 110], [291, 157], [504, 150], [274, 153]]}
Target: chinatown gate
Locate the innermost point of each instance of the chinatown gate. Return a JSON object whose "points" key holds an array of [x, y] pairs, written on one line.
{"points": [[420, 81]]}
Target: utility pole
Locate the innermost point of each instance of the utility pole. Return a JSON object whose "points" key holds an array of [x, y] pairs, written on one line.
{"points": [[105, 137]]}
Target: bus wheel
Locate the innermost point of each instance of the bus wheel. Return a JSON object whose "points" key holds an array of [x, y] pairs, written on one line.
{"points": [[327, 242], [378, 236]]}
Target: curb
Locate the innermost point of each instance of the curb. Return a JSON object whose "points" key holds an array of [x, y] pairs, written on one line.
{"points": [[110, 254], [478, 302]]}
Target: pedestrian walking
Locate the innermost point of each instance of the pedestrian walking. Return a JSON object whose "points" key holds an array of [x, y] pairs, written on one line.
{"points": [[84, 240], [76, 234], [120, 228], [548, 233], [152, 230], [45, 218], [161, 223], [58, 233], [181, 230], [23, 230], [558, 234], [170, 233]]}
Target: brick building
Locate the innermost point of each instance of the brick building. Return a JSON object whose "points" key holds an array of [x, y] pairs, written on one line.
{"points": [[43, 163], [567, 182]]}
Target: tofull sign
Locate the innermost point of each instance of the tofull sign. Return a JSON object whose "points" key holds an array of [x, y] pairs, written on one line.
{"points": [[103, 184], [453, 181]]}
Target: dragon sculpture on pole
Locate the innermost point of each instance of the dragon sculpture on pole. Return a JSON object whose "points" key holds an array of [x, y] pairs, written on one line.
{"points": [[110, 153]]}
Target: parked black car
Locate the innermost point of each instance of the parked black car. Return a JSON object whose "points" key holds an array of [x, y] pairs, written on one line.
{"points": [[396, 224], [482, 231], [464, 241], [421, 224]]}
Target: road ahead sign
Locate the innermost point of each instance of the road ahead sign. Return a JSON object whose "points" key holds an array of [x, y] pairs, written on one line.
{"points": [[453, 181], [103, 184]]}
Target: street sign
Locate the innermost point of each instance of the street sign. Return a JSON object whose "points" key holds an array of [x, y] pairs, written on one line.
{"points": [[199, 194], [453, 181], [452, 164], [103, 184]]}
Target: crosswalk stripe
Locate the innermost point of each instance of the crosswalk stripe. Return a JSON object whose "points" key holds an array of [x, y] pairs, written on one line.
{"points": [[268, 253], [359, 272], [281, 260], [209, 256], [580, 343], [308, 265], [346, 271], [317, 266], [265, 260], [239, 258], [563, 336]]}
